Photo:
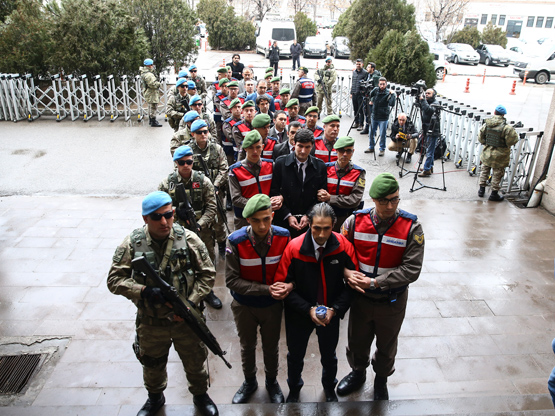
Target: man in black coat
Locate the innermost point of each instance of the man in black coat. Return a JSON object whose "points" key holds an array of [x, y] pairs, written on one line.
{"points": [[288, 146], [297, 178]]}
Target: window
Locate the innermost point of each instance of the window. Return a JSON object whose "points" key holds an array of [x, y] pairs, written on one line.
{"points": [[484, 19], [539, 22], [501, 20], [530, 21], [548, 22], [494, 19]]}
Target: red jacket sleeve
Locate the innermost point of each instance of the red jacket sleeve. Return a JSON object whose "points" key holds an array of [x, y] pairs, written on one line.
{"points": [[284, 263], [349, 249]]}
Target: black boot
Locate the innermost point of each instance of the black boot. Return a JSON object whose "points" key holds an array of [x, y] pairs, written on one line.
{"points": [[351, 382], [154, 403], [494, 196], [409, 158], [366, 129], [154, 122], [398, 155], [356, 125], [274, 391], [221, 248], [293, 396], [213, 300], [481, 191], [246, 390], [380, 388], [205, 405]]}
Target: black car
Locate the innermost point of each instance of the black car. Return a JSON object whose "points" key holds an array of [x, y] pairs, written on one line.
{"points": [[314, 46], [340, 47], [493, 55]]}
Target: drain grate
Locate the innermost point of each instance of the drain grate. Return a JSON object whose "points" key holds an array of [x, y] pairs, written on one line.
{"points": [[16, 371]]}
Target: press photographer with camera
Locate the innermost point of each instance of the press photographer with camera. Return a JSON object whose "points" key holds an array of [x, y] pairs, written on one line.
{"points": [[430, 120], [381, 100], [403, 134]]}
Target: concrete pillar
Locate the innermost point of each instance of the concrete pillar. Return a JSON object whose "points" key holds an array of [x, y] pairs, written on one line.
{"points": [[545, 158]]}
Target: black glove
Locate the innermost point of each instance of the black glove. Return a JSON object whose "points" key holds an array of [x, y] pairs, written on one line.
{"points": [[181, 212], [215, 189], [153, 295]]}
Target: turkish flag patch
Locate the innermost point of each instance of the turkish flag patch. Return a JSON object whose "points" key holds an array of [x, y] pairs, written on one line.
{"points": [[196, 185]]}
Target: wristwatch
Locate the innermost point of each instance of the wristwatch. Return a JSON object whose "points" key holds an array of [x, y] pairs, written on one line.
{"points": [[372, 283]]}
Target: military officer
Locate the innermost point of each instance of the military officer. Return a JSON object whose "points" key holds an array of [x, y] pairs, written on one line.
{"points": [[324, 144], [182, 260], [275, 81], [183, 135], [150, 86], [252, 257], [261, 123], [325, 78], [178, 104], [241, 128], [198, 80], [217, 98], [233, 93], [346, 182], [282, 99], [292, 108], [229, 146], [304, 91], [181, 74], [389, 244], [312, 115], [196, 104]]}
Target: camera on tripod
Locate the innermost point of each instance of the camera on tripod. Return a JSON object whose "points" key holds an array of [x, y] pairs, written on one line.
{"points": [[417, 88], [366, 86]]}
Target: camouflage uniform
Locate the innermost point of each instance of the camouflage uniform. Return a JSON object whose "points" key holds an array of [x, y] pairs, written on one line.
{"points": [[193, 275], [209, 120], [497, 137], [180, 137], [200, 192], [149, 87], [201, 87], [327, 75], [176, 108]]}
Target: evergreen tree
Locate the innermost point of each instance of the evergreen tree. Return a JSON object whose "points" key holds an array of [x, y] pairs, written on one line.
{"points": [[468, 34], [492, 35], [304, 26], [340, 29]]}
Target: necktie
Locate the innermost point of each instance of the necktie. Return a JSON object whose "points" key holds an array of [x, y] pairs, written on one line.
{"points": [[301, 172], [320, 293]]}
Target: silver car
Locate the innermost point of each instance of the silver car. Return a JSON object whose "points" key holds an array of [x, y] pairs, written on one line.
{"points": [[464, 54]]}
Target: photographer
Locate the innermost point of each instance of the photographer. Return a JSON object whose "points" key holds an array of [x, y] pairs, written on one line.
{"points": [[359, 74], [381, 100], [403, 134], [430, 138]]}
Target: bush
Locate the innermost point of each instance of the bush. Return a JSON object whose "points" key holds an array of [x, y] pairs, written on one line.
{"points": [[469, 35], [304, 26], [492, 35], [340, 29], [404, 59]]}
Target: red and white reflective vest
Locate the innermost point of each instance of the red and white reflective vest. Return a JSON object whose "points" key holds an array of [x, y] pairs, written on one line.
{"points": [[228, 141], [345, 185], [227, 101], [243, 128], [322, 152], [250, 184], [318, 131], [378, 254], [269, 147], [277, 102], [300, 119]]}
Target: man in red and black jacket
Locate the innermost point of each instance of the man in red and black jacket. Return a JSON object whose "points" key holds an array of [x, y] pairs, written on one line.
{"points": [[315, 264]]}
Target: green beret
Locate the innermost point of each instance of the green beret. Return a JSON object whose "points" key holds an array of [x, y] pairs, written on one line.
{"points": [[234, 102], [251, 138], [223, 81], [222, 70], [269, 69], [344, 141], [330, 118], [304, 69], [256, 203], [249, 103], [275, 79], [233, 84], [228, 68], [294, 101], [285, 91], [385, 184], [311, 109], [261, 120]]}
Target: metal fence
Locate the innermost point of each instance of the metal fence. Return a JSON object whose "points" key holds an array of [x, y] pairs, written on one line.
{"points": [[81, 98]]}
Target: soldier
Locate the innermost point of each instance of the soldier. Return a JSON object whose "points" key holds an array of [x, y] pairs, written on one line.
{"points": [[181, 74], [196, 104], [324, 144], [325, 78], [268, 78], [389, 244], [241, 128], [221, 73], [312, 116], [181, 259], [250, 176], [252, 258], [282, 99], [292, 108], [178, 104], [233, 93], [304, 91], [220, 95], [275, 81], [198, 80], [183, 135], [261, 123], [150, 86], [346, 182], [498, 138], [216, 162], [229, 145]]}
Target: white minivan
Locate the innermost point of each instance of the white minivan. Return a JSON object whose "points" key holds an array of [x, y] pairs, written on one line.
{"points": [[282, 31]]}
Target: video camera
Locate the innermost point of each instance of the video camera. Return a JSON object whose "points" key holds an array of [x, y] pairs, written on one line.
{"points": [[366, 86], [417, 88]]}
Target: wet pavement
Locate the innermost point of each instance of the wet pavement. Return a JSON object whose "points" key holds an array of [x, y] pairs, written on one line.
{"points": [[479, 321]]}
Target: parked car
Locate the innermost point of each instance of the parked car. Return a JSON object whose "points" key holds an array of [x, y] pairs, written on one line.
{"points": [[439, 48], [441, 65], [464, 54], [340, 47], [540, 69], [493, 55], [314, 46]]}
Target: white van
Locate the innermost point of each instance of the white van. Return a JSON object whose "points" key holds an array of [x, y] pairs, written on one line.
{"points": [[540, 69], [282, 31]]}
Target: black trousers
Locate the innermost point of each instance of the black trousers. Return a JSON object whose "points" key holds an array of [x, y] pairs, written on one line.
{"points": [[274, 64], [357, 104], [298, 331]]}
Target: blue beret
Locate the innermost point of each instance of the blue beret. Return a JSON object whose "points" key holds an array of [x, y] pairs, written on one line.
{"points": [[148, 62], [191, 85], [182, 74], [154, 201], [501, 109], [194, 99], [198, 124], [192, 67], [180, 81], [182, 151], [190, 116]]}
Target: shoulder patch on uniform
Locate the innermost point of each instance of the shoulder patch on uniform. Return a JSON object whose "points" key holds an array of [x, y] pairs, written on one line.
{"points": [[118, 255], [419, 239], [361, 182]]}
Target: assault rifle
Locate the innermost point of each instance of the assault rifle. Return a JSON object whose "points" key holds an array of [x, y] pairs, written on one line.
{"points": [[185, 210], [181, 307], [218, 202]]}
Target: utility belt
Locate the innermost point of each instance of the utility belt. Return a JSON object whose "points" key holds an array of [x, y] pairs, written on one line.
{"points": [[386, 297]]}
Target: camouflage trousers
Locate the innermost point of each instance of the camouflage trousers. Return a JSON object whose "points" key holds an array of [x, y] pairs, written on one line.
{"points": [[219, 226], [303, 107], [152, 109], [207, 237], [321, 97], [154, 346], [496, 176]]}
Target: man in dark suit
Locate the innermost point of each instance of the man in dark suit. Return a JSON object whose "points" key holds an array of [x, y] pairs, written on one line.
{"points": [[279, 129], [288, 146], [297, 178]]}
